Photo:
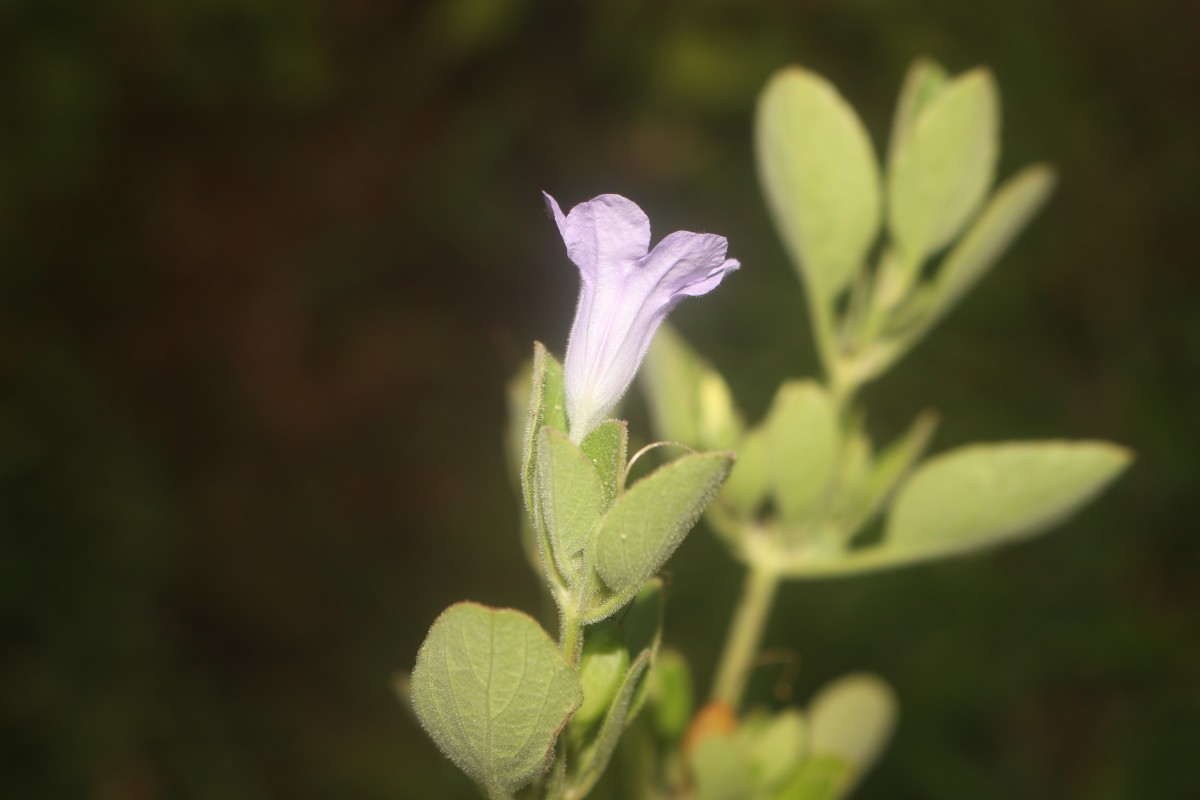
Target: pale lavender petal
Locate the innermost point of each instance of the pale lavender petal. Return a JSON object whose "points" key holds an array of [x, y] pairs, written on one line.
{"points": [[603, 233], [684, 262]]}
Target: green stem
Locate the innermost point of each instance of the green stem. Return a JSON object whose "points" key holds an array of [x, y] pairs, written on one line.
{"points": [[745, 634], [570, 636]]}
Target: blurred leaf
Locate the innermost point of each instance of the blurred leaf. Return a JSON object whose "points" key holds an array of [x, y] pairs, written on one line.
{"points": [[650, 519], [1006, 215], [820, 177], [982, 495], [721, 768], [893, 464], [493, 691], [925, 78], [851, 719], [804, 442], [689, 401], [750, 479], [671, 695], [943, 166], [819, 778], [776, 747]]}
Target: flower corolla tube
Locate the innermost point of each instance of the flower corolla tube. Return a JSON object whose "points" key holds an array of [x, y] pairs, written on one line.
{"points": [[626, 290]]}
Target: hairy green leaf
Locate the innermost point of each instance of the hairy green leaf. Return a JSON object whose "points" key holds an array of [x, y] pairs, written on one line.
{"points": [[572, 498], [647, 523], [493, 691], [605, 446]]}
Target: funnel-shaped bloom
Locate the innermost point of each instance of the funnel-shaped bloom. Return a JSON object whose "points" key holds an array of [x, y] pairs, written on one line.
{"points": [[625, 293]]}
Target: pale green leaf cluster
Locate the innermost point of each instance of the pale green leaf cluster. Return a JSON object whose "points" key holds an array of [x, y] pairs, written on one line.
{"points": [[883, 254], [816, 753], [834, 207], [809, 478]]}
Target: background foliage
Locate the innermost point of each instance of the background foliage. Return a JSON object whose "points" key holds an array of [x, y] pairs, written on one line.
{"points": [[266, 265]]}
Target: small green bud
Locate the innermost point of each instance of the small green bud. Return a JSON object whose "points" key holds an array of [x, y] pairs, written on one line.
{"points": [[671, 695], [602, 666]]}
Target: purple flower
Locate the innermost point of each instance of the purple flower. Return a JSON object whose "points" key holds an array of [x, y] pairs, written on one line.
{"points": [[625, 293]]}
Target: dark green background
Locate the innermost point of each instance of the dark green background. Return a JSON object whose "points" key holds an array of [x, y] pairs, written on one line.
{"points": [[265, 266]]}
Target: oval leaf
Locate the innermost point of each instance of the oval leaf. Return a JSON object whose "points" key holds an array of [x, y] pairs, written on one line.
{"points": [[776, 746], [924, 80], [851, 720], [820, 176], [605, 446], [804, 442], [750, 479], [647, 523], [944, 166], [981, 495], [493, 692], [1007, 213], [572, 498], [547, 406], [689, 401]]}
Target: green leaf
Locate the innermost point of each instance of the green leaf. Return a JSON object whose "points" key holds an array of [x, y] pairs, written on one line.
{"points": [[721, 767], [982, 495], [647, 523], [892, 465], [750, 479], [776, 746], [689, 401], [517, 393], [572, 499], [602, 666], [1006, 215], [670, 376], [819, 778], [493, 691], [594, 760], [547, 406], [924, 80], [641, 624], [851, 481], [671, 695], [637, 634], [608, 649], [943, 166], [804, 444], [820, 176], [605, 446], [851, 720]]}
